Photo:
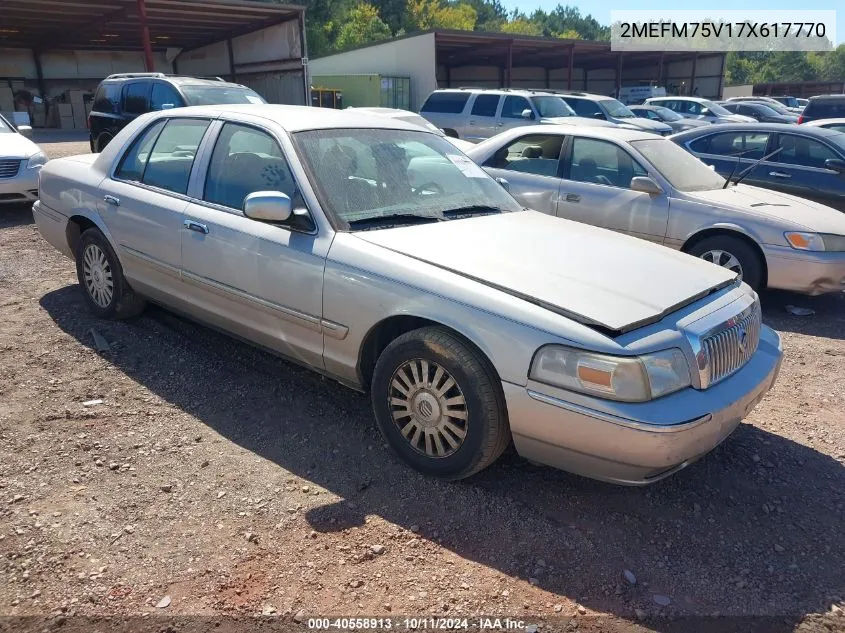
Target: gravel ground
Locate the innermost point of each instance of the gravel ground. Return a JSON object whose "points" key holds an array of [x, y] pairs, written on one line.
{"points": [[233, 483]]}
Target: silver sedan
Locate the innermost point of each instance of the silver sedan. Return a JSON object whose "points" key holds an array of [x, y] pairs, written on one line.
{"points": [[374, 252], [648, 187]]}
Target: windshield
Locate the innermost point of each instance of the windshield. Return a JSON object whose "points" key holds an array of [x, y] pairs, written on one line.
{"points": [[196, 95], [368, 174], [617, 109], [715, 108], [684, 171], [549, 107], [780, 109], [669, 115]]}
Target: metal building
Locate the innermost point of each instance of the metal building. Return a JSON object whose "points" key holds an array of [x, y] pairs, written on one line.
{"points": [[442, 59], [50, 46]]}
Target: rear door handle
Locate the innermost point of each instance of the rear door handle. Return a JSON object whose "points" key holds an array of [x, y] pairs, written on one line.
{"points": [[111, 200], [196, 226], [779, 174], [573, 197]]}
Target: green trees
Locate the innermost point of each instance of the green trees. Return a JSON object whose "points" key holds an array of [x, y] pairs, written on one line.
{"points": [[362, 25]]}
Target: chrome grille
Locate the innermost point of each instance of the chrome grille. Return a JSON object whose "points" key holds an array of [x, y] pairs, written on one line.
{"points": [[728, 349], [9, 167]]}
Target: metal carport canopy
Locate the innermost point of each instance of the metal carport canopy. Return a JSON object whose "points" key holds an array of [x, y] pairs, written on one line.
{"points": [[119, 25]]}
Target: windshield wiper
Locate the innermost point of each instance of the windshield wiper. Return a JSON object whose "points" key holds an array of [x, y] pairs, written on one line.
{"points": [[393, 219], [470, 211], [733, 171], [748, 171]]}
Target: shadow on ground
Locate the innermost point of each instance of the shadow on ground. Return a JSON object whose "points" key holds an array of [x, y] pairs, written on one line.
{"points": [[12, 215], [827, 320], [755, 528]]}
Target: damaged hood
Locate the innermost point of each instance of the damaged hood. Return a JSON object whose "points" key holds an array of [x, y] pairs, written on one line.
{"points": [[594, 276]]}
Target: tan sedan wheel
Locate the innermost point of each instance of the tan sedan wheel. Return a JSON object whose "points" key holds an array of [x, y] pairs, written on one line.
{"points": [[100, 274], [439, 404]]}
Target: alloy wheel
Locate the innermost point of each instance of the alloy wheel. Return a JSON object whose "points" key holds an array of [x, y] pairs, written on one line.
{"points": [[723, 259], [429, 408], [97, 274]]}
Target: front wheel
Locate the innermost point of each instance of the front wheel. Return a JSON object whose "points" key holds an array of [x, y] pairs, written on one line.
{"points": [[100, 274], [734, 254], [439, 404]]}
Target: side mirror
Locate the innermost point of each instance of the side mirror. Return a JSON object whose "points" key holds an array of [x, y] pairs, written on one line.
{"points": [[269, 206], [644, 184], [168, 106], [836, 164], [527, 114], [505, 184], [25, 130], [599, 115]]}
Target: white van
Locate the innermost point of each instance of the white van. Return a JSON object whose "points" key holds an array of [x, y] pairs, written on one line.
{"points": [[635, 95]]}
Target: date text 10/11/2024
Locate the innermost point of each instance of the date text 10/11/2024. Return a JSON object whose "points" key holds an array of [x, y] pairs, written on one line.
{"points": [[421, 624]]}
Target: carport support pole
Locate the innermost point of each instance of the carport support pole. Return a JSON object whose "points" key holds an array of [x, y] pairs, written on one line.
{"points": [[692, 75], [618, 75], [145, 36], [571, 62], [510, 64]]}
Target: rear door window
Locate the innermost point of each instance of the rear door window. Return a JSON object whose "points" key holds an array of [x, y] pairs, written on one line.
{"points": [[172, 156], [136, 97], [107, 98], [446, 102], [537, 154], [485, 105], [745, 144], [135, 159]]}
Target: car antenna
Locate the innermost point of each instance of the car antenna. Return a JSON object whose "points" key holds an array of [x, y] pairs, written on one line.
{"points": [[748, 171]]}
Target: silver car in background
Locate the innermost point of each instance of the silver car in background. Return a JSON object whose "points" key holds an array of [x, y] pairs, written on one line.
{"points": [[375, 253], [699, 109], [20, 162], [648, 187], [671, 118]]}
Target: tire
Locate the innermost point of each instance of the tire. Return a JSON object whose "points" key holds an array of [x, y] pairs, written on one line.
{"points": [[103, 140], [482, 418], [748, 259], [100, 275]]}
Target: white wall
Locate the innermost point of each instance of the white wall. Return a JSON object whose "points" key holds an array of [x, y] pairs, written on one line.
{"points": [[410, 57], [744, 90]]}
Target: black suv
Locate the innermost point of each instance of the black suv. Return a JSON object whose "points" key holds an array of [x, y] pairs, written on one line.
{"points": [[122, 97], [824, 107]]}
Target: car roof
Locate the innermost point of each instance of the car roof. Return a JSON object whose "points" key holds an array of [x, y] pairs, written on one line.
{"points": [[671, 97], [826, 97], [759, 127], [299, 118], [585, 95], [821, 122], [499, 91], [179, 80], [614, 133]]}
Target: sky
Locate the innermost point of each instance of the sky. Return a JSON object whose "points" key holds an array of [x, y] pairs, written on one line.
{"points": [[600, 9]]}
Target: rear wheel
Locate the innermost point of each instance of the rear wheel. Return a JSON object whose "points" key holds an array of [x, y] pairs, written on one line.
{"points": [[439, 404], [100, 274], [734, 254], [103, 140]]}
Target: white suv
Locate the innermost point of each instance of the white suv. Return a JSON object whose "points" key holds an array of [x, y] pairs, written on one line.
{"points": [[475, 114]]}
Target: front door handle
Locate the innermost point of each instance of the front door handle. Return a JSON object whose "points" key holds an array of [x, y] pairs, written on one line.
{"points": [[779, 174], [573, 197], [111, 200], [196, 226]]}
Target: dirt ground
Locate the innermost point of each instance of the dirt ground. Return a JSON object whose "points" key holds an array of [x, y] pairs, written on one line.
{"points": [[227, 482]]}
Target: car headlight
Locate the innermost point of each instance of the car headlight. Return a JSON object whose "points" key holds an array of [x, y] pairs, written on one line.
{"points": [[816, 241], [36, 160], [626, 378]]}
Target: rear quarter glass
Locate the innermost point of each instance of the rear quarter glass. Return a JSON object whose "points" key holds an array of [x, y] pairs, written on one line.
{"points": [[107, 98], [446, 102]]}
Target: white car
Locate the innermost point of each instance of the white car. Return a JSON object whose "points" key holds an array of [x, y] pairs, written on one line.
{"points": [[20, 162], [698, 108], [831, 124]]}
